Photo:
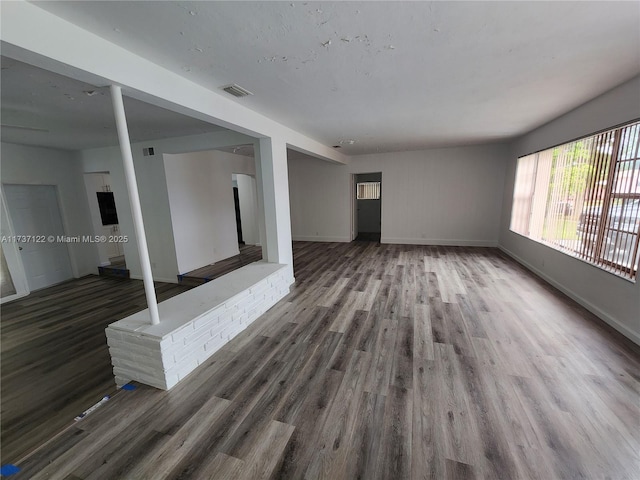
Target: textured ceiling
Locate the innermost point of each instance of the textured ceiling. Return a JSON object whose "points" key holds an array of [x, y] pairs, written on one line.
{"points": [[386, 76], [46, 109]]}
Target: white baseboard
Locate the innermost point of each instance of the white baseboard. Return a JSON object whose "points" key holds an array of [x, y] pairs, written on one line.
{"points": [[604, 316], [298, 238], [11, 298], [448, 243]]}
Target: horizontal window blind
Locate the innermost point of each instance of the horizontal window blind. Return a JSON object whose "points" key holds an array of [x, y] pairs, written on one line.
{"points": [[583, 198]]}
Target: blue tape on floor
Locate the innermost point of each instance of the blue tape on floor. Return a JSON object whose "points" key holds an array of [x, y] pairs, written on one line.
{"points": [[8, 469], [128, 386]]}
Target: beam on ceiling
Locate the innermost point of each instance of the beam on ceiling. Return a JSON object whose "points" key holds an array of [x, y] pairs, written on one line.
{"points": [[33, 35]]}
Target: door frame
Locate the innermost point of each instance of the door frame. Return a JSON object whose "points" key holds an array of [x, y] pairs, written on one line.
{"points": [[354, 204], [94, 214], [12, 254], [354, 207]]}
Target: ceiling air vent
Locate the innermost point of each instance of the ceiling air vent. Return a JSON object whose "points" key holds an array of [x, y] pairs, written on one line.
{"points": [[237, 90]]}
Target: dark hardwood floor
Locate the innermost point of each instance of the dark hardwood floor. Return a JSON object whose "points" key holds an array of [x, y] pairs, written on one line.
{"points": [[248, 254], [384, 361], [55, 360]]}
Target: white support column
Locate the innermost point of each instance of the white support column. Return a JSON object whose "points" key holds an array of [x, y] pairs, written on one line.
{"points": [[134, 199], [273, 197]]}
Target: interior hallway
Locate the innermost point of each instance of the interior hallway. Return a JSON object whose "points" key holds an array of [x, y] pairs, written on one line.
{"points": [[384, 361]]}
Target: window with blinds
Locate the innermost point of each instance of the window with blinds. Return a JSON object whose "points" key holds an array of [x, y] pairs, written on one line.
{"points": [[583, 198], [368, 190]]}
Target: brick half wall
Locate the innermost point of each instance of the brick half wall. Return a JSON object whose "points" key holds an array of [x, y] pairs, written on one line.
{"points": [[193, 325]]}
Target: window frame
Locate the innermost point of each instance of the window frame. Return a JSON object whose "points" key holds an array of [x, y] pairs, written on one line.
{"points": [[375, 186], [597, 256]]}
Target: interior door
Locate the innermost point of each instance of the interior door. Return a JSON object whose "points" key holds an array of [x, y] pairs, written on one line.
{"points": [[34, 212]]}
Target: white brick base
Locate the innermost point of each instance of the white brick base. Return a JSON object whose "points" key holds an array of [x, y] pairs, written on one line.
{"points": [[193, 325]]}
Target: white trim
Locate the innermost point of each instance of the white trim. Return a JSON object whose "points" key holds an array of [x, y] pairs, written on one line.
{"points": [[435, 242], [605, 317], [353, 202], [13, 297], [302, 238], [11, 253]]}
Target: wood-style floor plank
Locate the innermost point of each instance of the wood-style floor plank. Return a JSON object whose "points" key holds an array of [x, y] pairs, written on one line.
{"points": [[383, 362], [55, 359], [248, 254]]}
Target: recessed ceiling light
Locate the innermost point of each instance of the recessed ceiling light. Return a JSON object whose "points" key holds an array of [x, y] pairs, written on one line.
{"points": [[236, 90]]}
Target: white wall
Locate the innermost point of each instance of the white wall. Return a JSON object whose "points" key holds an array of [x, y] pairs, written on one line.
{"points": [[615, 300], [201, 202], [319, 197], [152, 186], [449, 196], [247, 196], [44, 166], [155, 207]]}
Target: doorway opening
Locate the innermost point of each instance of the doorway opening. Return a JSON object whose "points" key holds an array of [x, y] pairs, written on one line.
{"points": [[104, 217], [367, 207], [245, 201], [236, 203]]}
